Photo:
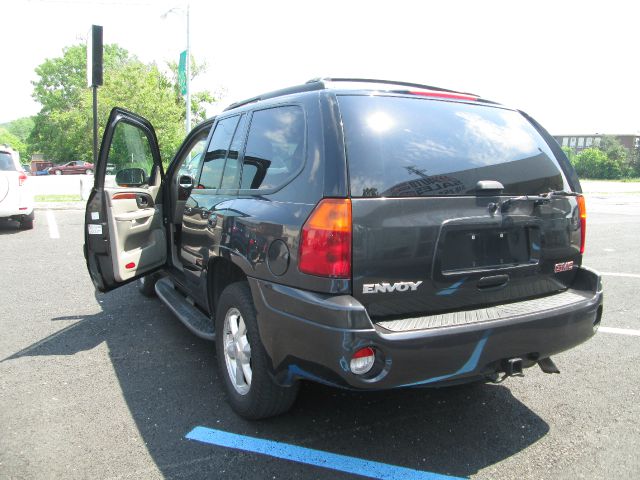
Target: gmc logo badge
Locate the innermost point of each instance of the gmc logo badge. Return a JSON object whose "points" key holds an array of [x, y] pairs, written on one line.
{"points": [[563, 267]]}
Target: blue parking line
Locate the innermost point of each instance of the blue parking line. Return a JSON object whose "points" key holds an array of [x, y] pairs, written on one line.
{"points": [[318, 458]]}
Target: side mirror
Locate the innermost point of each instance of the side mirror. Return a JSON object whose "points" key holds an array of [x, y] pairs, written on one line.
{"points": [[131, 177], [185, 181]]}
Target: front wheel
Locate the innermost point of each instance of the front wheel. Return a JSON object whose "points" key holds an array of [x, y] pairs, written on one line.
{"points": [[242, 359], [88, 171], [58, 172]]}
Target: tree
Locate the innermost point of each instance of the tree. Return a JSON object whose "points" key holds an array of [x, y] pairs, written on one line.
{"points": [[63, 127], [9, 139], [198, 99], [594, 163], [16, 135], [616, 153]]}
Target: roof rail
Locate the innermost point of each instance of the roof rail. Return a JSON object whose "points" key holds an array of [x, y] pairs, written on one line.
{"points": [[321, 84], [305, 87], [388, 82]]}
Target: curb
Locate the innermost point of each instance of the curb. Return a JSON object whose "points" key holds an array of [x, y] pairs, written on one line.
{"points": [[59, 205]]}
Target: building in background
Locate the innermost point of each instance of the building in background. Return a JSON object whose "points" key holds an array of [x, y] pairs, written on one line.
{"points": [[578, 142]]}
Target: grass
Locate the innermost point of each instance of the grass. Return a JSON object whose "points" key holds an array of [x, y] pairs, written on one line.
{"points": [[624, 180], [57, 198]]}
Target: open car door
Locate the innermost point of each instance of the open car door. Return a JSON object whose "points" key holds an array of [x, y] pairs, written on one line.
{"points": [[124, 236]]}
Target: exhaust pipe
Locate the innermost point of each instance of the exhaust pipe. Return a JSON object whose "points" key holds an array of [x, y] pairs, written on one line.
{"points": [[547, 365]]}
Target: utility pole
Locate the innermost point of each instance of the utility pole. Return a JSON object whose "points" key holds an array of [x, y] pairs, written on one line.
{"points": [[188, 67]]}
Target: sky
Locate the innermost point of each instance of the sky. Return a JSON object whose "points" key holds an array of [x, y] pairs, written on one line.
{"points": [[572, 65]]}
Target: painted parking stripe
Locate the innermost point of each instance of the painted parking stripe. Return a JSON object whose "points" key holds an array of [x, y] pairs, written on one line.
{"points": [[615, 274], [318, 458], [620, 331], [53, 226]]}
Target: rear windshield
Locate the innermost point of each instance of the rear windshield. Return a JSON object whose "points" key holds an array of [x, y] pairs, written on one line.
{"points": [[406, 147], [6, 163]]}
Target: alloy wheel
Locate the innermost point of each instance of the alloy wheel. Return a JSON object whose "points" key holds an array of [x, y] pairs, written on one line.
{"points": [[237, 351]]}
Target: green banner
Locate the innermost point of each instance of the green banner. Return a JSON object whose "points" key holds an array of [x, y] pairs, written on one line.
{"points": [[182, 73]]}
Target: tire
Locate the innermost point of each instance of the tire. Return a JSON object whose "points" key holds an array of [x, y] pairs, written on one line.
{"points": [[58, 172], [88, 171], [147, 285], [26, 222], [251, 391]]}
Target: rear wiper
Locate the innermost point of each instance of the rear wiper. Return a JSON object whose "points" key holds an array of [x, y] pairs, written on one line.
{"points": [[560, 193], [538, 199]]}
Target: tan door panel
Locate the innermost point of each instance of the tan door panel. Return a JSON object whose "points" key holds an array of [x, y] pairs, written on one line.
{"points": [[137, 235]]}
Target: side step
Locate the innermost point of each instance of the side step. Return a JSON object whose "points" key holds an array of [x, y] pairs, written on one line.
{"points": [[194, 319]]}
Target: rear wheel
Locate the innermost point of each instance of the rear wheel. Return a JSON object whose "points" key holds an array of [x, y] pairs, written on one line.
{"points": [[26, 221], [147, 285], [242, 360], [88, 171]]}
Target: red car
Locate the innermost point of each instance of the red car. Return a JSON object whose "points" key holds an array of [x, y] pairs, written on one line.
{"points": [[72, 167]]}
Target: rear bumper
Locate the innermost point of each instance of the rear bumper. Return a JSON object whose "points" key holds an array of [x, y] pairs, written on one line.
{"points": [[15, 211], [313, 336]]}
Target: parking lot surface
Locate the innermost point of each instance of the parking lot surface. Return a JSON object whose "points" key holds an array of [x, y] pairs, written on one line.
{"points": [[110, 385]]}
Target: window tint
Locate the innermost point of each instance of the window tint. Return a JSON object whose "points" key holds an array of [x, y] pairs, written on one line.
{"points": [[400, 147], [217, 152], [232, 169], [275, 147]]}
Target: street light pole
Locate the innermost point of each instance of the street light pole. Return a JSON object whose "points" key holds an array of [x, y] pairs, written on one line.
{"points": [[188, 70], [187, 66]]}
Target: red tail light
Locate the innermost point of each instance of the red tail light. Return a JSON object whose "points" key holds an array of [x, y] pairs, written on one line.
{"points": [[325, 244], [451, 95], [22, 177], [583, 221]]}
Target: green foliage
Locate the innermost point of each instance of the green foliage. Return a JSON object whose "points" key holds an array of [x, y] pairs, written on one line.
{"points": [[571, 155], [613, 148], [594, 163], [16, 135], [199, 100], [7, 138], [62, 129]]}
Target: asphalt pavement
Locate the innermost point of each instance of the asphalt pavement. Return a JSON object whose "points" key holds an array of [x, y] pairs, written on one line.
{"points": [[108, 385]]}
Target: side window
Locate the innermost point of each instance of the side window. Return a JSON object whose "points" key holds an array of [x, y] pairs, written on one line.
{"points": [[275, 147], [193, 159], [130, 150], [217, 152], [232, 169]]}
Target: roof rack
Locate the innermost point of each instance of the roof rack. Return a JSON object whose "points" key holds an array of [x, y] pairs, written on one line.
{"points": [[388, 82], [305, 87], [321, 84]]}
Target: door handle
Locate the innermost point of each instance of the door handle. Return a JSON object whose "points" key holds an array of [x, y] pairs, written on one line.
{"points": [[136, 215], [493, 281]]}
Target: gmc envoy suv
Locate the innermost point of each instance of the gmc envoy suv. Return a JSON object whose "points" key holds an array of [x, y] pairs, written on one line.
{"points": [[364, 234]]}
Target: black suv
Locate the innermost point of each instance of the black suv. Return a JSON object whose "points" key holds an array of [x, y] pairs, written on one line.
{"points": [[364, 234]]}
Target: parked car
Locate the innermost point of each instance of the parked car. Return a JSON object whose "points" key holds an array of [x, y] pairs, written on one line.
{"points": [[71, 168], [16, 199], [362, 234]]}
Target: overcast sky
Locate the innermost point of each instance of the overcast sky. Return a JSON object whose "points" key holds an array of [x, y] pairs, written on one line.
{"points": [[573, 65]]}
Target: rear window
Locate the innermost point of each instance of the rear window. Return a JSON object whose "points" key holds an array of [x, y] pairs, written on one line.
{"points": [[406, 147], [6, 162]]}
